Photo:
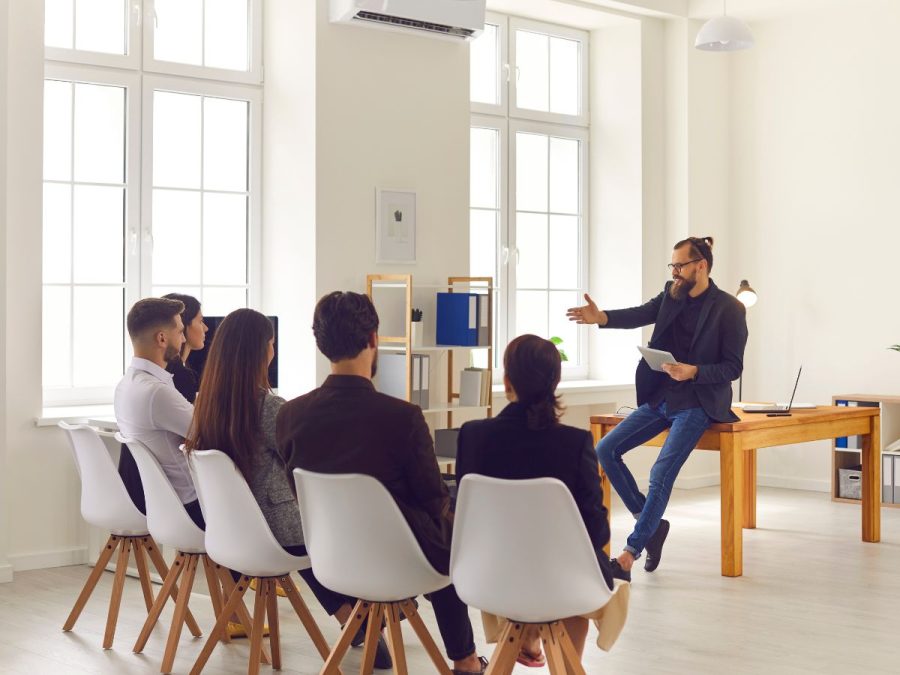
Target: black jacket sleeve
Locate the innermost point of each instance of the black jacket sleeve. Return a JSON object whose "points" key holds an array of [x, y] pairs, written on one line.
{"points": [[635, 317], [733, 340], [589, 499]]}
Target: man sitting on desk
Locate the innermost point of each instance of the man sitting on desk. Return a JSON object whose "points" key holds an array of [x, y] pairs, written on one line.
{"points": [[705, 329], [345, 426]]}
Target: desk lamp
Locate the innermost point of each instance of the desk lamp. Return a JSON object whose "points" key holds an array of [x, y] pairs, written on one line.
{"points": [[748, 297]]}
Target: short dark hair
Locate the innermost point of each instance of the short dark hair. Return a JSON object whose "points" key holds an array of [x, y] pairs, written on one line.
{"points": [[342, 324], [152, 314], [533, 366], [191, 307], [701, 247]]}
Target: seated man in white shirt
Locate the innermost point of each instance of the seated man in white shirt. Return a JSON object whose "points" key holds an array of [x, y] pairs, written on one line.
{"points": [[148, 408]]}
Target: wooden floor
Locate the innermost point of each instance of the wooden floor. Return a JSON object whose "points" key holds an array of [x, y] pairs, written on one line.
{"points": [[813, 599]]}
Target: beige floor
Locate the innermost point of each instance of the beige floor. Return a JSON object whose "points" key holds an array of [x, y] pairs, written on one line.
{"points": [[814, 599]]}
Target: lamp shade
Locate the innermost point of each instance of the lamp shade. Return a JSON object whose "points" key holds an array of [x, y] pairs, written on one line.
{"points": [[724, 34], [746, 294]]}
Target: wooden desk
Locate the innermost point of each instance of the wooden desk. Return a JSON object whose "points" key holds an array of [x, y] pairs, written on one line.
{"points": [[737, 444]]}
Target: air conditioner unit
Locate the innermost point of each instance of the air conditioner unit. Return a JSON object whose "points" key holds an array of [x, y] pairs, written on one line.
{"points": [[450, 19]]}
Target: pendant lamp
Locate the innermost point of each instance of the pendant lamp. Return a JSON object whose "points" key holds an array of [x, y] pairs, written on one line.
{"points": [[724, 34]]}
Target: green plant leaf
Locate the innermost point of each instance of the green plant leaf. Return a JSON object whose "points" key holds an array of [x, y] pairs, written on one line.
{"points": [[896, 348], [556, 340], [562, 355]]}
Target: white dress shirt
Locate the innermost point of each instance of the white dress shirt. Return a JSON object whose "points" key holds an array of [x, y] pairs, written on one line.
{"points": [[149, 409]]}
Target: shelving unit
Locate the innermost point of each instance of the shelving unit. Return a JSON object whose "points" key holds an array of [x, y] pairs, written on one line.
{"points": [[844, 458]]}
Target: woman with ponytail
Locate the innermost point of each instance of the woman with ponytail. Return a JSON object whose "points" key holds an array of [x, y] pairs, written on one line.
{"points": [[525, 441]]}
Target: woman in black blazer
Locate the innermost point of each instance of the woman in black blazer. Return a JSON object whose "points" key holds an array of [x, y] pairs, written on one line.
{"points": [[526, 440]]}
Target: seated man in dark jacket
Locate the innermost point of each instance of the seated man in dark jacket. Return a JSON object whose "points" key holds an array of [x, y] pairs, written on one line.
{"points": [[525, 441], [345, 426]]}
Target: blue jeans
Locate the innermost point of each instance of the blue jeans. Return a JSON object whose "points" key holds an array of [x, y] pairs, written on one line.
{"points": [[685, 429]]}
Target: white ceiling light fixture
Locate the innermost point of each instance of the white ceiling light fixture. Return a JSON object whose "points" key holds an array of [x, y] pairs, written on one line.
{"points": [[724, 34]]}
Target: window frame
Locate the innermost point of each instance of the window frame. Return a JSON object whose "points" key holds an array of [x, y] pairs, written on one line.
{"points": [[131, 59], [503, 69]]}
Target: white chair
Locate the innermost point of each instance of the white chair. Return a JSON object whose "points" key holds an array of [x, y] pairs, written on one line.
{"points": [[362, 546], [520, 551], [171, 525], [238, 537], [105, 503]]}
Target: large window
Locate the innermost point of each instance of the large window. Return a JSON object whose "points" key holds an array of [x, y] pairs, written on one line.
{"points": [[151, 173], [528, 192]]}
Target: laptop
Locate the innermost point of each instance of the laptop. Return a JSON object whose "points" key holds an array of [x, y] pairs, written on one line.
{"points": [[766, 408]]}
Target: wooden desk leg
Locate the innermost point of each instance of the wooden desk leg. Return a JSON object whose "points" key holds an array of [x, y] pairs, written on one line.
{"points": [[749, 489], [731, 464], [871, 482], [599, 431]]}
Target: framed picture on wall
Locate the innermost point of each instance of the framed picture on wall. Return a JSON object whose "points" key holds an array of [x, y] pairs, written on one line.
{"points": [[395, 226]]}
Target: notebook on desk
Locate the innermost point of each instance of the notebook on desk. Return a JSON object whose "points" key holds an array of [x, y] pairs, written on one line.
{"points": [[774, 408]]}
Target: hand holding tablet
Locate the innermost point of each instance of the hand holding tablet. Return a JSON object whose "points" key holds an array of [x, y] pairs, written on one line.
{"points": [[655, 358]]}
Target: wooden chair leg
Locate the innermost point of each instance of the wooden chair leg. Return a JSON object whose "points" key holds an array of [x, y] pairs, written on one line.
{"points": [[102, 561], [256, 633], [395, 639], [235, 598], [309, 623], [168, 583], [333, 661], [373, 629], [272, 612], [215, 589], [181, 605], [555, 661], [412, 615], [162, 569], [241, 610], [504, 657], [115, 598], [570, 656], [143, 573]]}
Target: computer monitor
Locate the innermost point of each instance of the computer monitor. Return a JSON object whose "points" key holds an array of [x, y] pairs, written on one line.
{"points": [[197, 359]]}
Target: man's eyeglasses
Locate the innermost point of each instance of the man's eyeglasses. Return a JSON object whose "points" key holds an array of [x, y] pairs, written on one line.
{"points": [[677, 267]]}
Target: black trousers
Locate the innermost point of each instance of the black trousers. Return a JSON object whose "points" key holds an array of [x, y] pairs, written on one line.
{"points": [[128, 470]]}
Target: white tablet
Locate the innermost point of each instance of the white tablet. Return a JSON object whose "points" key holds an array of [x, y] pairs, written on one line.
{"points": [[655, 358]]}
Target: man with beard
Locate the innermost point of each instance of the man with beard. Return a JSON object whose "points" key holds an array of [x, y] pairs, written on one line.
{"points": [[705, 329], [147, 405], [346, 426]]}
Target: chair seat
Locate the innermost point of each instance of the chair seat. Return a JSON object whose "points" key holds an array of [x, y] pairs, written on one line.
{"points": [[272, 564], [138, 530]]}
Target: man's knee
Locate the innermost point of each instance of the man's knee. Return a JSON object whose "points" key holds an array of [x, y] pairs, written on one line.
{"points": [[606, 452]]}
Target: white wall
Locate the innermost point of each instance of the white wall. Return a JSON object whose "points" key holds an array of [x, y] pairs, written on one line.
{"points": [[5, 567], [814, 121]]}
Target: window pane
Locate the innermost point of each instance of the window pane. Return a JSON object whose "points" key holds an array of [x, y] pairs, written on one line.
{"points": [[224, 239], [176, 237], [531, 313], [99, 133], [560, 326], [57, 248], [564, 172], [226, 33], [98, 335], [221, 301], [196, 291], [485, 160], [532, 71], [101, 26], [176, 140], [57, 130], [564, 255], [225, 144], [531, 172], [99, 226], [564, 76], [178, 36], [484, 66], [483, 243], [59, 17], [531, 240], [56, 314]]}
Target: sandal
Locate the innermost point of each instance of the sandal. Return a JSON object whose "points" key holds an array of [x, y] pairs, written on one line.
{"points": [[483, 662], [531, 660]]}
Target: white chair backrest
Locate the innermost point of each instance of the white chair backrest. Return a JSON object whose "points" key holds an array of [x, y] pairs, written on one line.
{"points": [[237, 534], [104, 501], [358, 541], [167, 520], [520, 550]]}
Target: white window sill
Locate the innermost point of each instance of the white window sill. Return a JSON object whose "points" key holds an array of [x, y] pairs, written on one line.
{"points": [[73, 414], [583, 392]]}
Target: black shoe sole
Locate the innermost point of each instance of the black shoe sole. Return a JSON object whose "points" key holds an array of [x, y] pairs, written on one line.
{"points": [[654, 548]]}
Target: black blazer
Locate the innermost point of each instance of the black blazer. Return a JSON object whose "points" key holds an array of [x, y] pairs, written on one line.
{"points": [[717, 349], [504, 447], [345, 426]]}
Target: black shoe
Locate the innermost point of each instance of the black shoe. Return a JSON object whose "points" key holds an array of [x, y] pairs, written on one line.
{"points": [[383, 655], [481, 660], [655, 545], [618, 572]]}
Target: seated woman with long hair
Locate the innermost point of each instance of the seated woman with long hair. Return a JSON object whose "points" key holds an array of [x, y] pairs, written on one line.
{"points": [[525, 441], [235, 412]]}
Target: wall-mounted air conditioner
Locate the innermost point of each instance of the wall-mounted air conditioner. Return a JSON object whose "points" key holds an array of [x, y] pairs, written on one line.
{"points": [[451, 19]]}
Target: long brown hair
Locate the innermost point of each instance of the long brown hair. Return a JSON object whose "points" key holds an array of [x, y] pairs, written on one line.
{"points": [[533, 367], [228, 408]]}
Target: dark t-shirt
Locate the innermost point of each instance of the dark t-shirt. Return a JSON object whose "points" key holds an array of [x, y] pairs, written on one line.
{"points": [[184, 379], [678, 339]]}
